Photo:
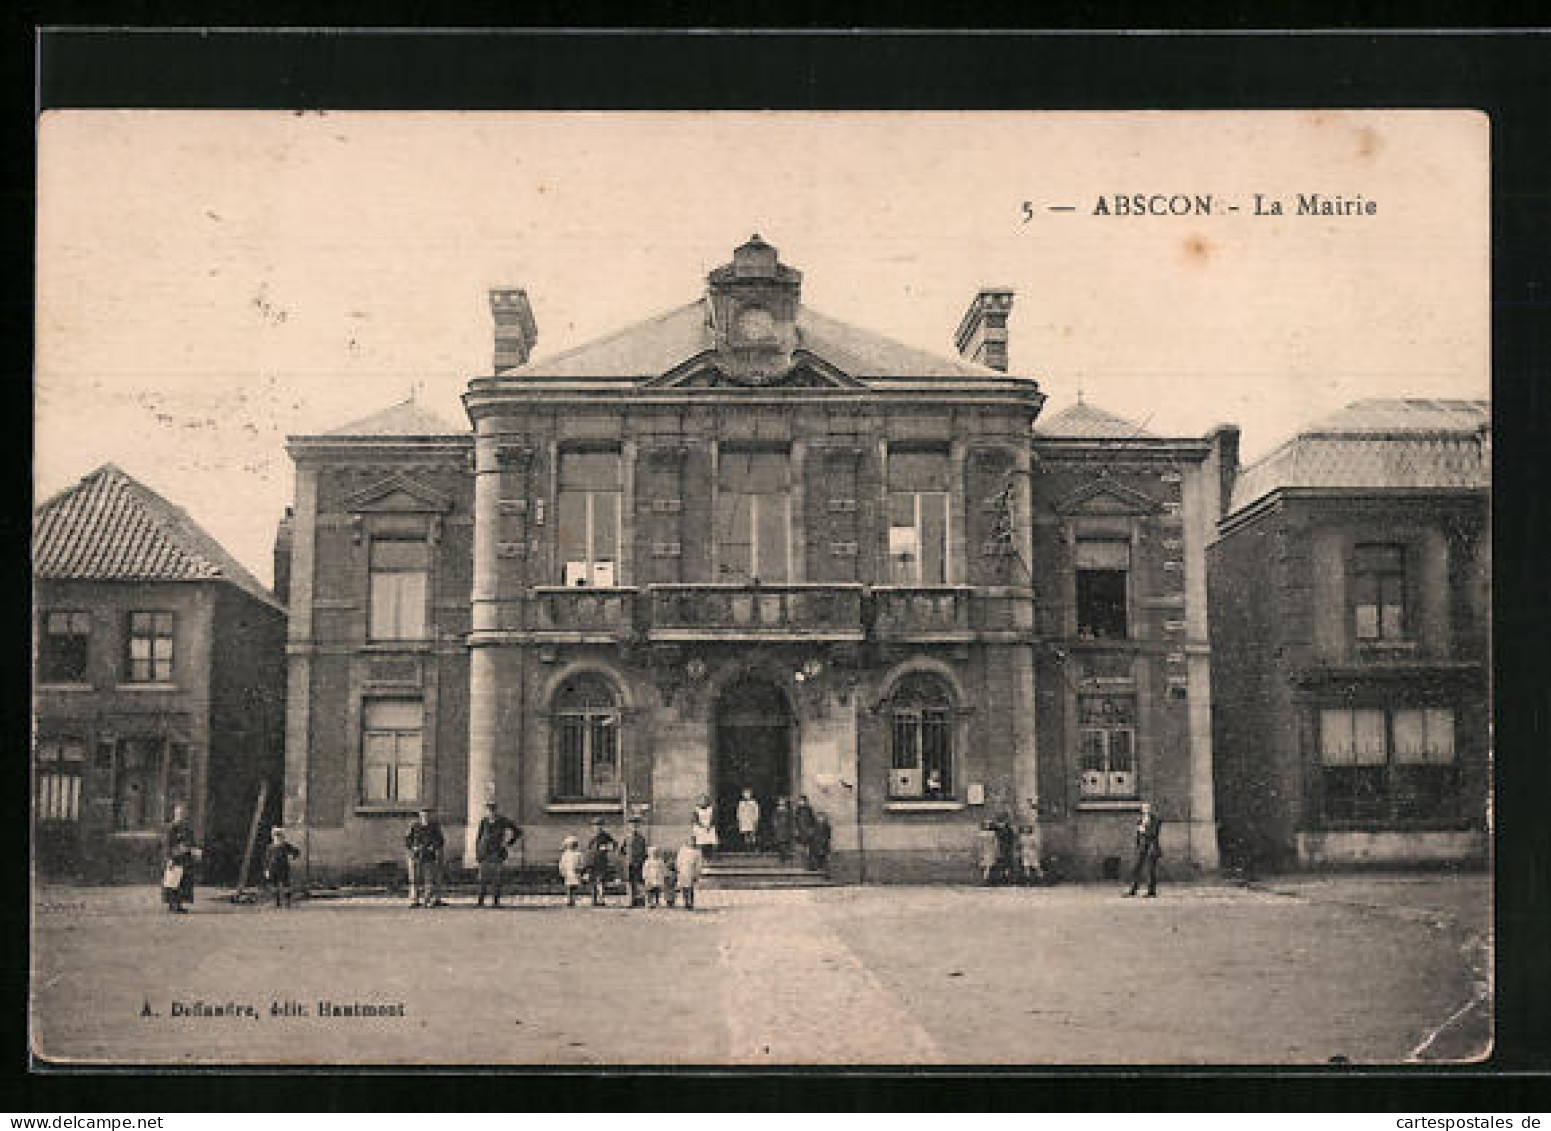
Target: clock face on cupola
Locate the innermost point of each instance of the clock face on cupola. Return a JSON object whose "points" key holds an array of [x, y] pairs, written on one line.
{"points": [[754, 314]]}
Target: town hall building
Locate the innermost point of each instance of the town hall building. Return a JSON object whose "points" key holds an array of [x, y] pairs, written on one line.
{"points": [[744, 545]]}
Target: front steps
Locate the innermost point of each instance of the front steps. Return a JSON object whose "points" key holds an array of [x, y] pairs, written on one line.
{"points": [[760, 870]]}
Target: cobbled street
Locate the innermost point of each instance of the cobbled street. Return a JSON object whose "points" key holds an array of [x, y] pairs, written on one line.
{"points": [[1375, 969]]}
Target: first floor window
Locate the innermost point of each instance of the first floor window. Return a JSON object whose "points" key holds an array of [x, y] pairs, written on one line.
{"points": [[753, 517], [1379, 765], [1103, 570], [588, 524], [64, 646], [1107, 743], [918, 518], [400, 573], [150, 648], [60, 762], [1379, 584], [391, 750], [921, 739], [586, 741]]}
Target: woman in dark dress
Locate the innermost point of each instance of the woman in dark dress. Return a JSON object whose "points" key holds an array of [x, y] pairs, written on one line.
{"points": [[178, 864]]}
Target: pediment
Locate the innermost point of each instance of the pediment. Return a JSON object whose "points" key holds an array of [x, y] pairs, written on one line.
{"points": [[806, 371], [399, 494], [1107, 498]]}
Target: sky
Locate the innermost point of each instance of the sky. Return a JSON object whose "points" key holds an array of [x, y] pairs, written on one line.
{"points": [[211, 282]]}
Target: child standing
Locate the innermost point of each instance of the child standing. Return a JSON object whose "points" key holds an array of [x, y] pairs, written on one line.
{"points": [[987, 852], [571, 868], [278, 855], [689, 866], [748, 820], [654, 874]]}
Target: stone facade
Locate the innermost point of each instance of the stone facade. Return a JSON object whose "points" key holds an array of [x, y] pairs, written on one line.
{"points": [[741, 544]]}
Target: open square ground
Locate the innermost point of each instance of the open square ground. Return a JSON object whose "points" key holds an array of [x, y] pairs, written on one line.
{"points": [[1373, 969]]}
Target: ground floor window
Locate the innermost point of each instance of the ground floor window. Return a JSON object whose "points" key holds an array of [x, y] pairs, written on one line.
{"points": [[391, 732], [586, 741], [921, 740], [60, 762], [1381, 764], [1106, 737]]}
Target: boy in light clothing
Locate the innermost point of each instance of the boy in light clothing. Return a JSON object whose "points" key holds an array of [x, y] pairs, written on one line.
{"points": [[690, 864]]}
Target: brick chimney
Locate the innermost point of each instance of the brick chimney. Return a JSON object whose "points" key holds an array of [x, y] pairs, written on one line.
{"points": [[515, 331], [982, 334]]}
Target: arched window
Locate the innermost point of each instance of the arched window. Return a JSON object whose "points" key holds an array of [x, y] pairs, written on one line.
{"points": [[586, 740], [921, 738]]}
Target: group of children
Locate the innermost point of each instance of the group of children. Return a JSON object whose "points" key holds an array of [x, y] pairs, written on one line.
{"points": [[653, 877]]}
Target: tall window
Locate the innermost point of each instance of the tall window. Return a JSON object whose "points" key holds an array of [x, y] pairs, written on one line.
{"points": [[391, 750], [586, 741], [589, 519], [60, 763], [921, 741], [64, 647], [400, 569], [1379, 765], [918, 518], [1379, 584], [1103, 566], [1106, 736], [150, 776], [753, 516], [150, 648]]}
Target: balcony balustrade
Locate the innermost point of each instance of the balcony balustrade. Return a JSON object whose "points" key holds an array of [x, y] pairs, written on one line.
{"points": [[584, 611], [935, 612], [755, 612]]}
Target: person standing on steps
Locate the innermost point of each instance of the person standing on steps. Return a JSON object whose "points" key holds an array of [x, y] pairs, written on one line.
{"points": [[600, 850], [748, 820], [783, 829], [1149, 850], [702, 828], [804, 823]]}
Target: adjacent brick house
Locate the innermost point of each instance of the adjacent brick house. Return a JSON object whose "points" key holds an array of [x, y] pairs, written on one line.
{"points": [[1350, 613], [158, 681], [739, 544]]}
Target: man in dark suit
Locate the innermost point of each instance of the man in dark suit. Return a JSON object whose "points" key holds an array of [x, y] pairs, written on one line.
{"points": [[495, 837], [634, 851], [1148, 850]]}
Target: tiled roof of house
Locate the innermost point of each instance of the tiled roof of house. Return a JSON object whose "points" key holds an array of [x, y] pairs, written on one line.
{"points": [[1379, 444], [653, 347], [407, 418], [1083, 421], [111, 527]]}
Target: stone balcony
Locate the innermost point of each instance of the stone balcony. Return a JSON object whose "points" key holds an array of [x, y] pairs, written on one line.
{"points": [[838, 613], [755, 612]]}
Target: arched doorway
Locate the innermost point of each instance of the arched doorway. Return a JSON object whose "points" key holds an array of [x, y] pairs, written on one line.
{"points": [[752, 748]]}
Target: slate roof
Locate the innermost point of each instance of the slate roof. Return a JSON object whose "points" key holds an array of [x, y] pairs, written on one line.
{"points": [[651, 348], [407, 418], [1083, 421], [1379, 444], [112, 527]]}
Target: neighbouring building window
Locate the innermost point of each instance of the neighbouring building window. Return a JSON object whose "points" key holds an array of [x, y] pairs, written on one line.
{"points": [[589, 531], [400, 573], [150, 648], [1379, 590], [1106, 736], [586, 741], [753, 516], [921, 739], [60, 765], [64, 647], [1381, 765], [391, 745], [918, 518], [1103, 567]]}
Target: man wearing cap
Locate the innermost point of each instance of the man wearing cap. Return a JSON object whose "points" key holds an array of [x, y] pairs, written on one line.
{"points": [[634, 852], [496, 835], [599, 848], [423, 844]]}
